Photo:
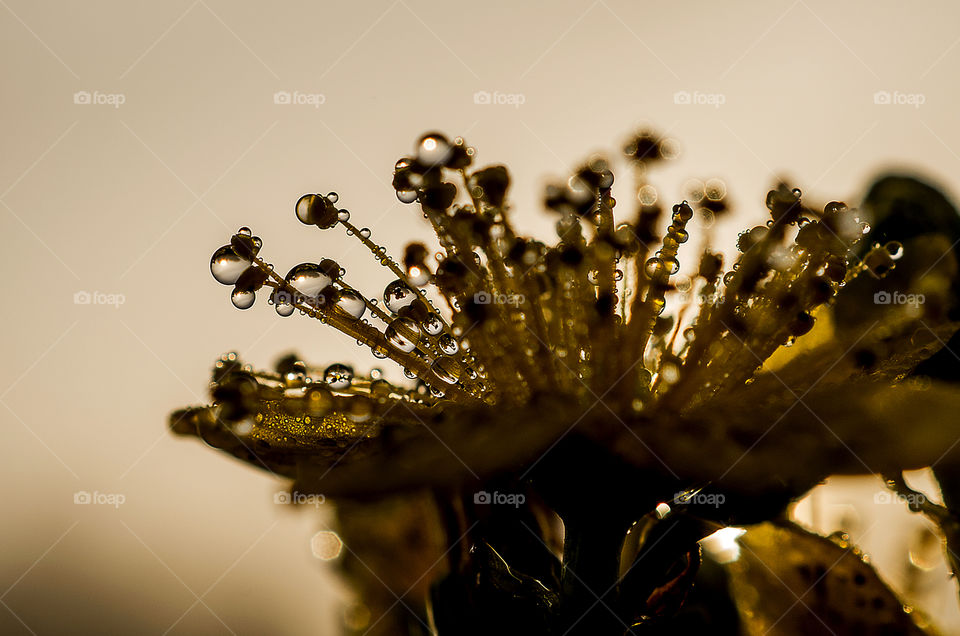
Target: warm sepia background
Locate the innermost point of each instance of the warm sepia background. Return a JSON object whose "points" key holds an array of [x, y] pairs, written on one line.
{"points": [[130, 199]]}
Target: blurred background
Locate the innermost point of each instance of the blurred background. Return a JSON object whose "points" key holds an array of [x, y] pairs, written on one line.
{"points": [[138, 136]]}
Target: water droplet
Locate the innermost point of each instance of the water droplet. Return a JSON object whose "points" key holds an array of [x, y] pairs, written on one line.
{"points": [[432, 324], [343, 215], [338, 376], [448, 344], [446, 369], [242, 299], [365, 232], [672, 265], [351, 304], [245, 231], [418, 275], [397, 295], [433, 149], [333, 197], [407, 196], [313, 209], [226, 266], [403, 333], [285, 309], [308, 279], [654, 267], [895, 249]]}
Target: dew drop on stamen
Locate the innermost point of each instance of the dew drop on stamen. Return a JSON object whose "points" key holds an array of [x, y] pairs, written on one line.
{"points": [[397, 295], [245, 231], [654, 267], [403, 334], [333, 197], [895, 249], [226, 265], [432, 324], [343, 215], [365, 232], [407, 196], [446, 369], [338, 376], [243, 299], [351, 304], [448, 344], [308, 279], [433, 149], [418, 275]]}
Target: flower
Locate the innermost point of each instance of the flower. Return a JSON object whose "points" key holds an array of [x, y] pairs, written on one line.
{"points": [[556, 373]]}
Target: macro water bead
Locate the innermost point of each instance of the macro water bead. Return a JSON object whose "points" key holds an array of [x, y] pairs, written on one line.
{"points": [[226, 265]]}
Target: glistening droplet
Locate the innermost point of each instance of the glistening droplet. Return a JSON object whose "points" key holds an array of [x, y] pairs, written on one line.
{"points": [[338, 376], [226, 266], [243, 299]]}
